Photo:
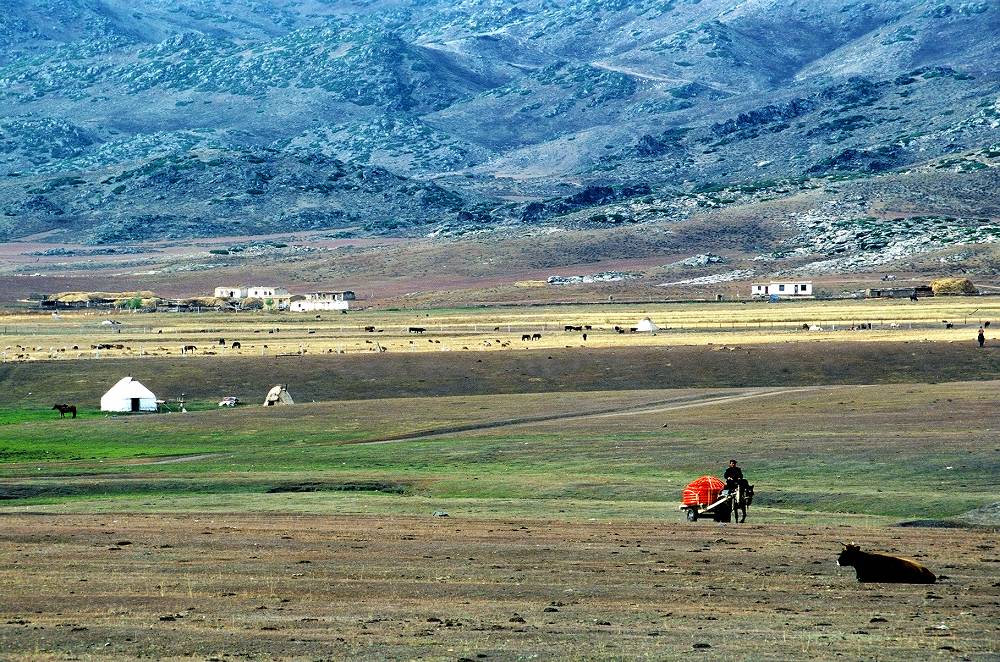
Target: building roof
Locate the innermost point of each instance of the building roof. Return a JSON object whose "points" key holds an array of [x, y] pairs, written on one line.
{"points": [[128, 388]]}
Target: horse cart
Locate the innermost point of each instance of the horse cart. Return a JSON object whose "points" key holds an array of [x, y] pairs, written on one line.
{"points": [[707, 497]]}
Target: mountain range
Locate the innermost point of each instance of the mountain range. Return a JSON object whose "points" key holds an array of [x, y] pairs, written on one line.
{"points": [[149, 119]]}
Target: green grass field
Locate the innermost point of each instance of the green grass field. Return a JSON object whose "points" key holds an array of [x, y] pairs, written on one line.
{"points": [[901, 451]]}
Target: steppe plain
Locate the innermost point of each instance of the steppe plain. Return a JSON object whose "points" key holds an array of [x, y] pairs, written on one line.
{"points": [[308, 531]]}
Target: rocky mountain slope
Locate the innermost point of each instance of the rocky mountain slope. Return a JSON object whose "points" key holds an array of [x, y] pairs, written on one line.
{"points": [[123, 121]]}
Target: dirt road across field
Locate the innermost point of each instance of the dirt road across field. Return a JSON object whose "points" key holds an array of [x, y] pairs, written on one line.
{"points": [[352, 587], [681, 402]]}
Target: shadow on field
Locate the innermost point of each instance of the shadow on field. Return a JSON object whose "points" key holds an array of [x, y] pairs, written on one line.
{"points": [[365, 376]]}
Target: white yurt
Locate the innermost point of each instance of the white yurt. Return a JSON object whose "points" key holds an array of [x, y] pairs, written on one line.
{"points": [[128, 395], [646, 325], [278, 395]]}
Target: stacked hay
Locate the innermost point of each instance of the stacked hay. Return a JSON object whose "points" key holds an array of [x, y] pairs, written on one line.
{"points": [[71, 297], [146, 298], [120, 299], [207, 302], [252, 303], [952, 285]]}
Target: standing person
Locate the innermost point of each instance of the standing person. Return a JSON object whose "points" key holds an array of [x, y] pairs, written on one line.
{"points": [[981, 337], [733, 475]]}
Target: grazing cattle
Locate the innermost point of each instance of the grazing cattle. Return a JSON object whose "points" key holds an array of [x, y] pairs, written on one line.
{"points": [[536, 336], [416, 329], [369, 329], [65, 409], [883, 568], [236, 344], [222, 342], [986, 324], [570, 327], [949, 325], [525, 337], [587, 327], [187, 348], [585, 337]]}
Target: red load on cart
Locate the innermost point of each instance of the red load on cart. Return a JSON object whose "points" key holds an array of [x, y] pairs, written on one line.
{"points": [[702, 491]]}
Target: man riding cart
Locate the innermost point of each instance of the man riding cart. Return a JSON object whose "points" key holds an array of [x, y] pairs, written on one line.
{"points": [[710, 497]]}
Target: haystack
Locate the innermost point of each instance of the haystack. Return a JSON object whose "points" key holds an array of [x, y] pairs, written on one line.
{"points": [[952, 285], [207, 302]]}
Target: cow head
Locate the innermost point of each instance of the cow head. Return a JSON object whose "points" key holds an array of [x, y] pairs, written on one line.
{"points": [[849, 555]]}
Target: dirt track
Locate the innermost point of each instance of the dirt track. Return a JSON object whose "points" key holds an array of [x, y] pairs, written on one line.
{"points": [[125, 586], [672, 404]]}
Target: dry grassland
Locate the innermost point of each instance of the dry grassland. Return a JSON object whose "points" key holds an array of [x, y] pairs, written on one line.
{"points": [[37, 336], [246, 586]]}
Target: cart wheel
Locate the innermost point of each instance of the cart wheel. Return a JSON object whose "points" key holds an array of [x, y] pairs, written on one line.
{"points": [[692, 515]]}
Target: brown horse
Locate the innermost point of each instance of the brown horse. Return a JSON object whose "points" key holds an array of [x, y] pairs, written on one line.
{"points": [[65, 409]]}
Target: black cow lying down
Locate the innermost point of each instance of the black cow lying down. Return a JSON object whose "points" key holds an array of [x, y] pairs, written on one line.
{"points": [[884, 568]]}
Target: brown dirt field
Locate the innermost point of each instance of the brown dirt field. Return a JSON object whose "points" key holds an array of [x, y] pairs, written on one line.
{"points": [[334, 587], [365, 376]]}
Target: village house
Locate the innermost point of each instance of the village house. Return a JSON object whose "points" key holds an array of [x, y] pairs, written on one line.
{"points": [[323, 301], [782, 290], [273, 297], [231, 292]]}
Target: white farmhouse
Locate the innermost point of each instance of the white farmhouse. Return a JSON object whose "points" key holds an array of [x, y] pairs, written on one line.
{"points": [[266, 292], [226, 292], [782, 289], [128, 395], [323, 301]]}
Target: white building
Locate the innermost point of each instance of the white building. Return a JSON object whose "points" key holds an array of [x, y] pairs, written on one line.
{"points": [[323, 301], [265, 292], [646, 325], [231, 292], [782, 289], [346, 295], [305, 305], [128, 395]]}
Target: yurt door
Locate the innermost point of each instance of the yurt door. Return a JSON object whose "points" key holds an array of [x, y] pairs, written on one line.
{"points": [[135, 404]]}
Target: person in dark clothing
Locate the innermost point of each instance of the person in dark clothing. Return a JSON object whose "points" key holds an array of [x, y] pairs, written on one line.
{"points": [[981, 337], [733, 475]]}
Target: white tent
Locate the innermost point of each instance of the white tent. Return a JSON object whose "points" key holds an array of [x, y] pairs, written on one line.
{"points": [[646, 325], [278, 396], [128, 395]]}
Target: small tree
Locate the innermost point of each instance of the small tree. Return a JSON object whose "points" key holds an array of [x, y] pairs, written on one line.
{"points": [[269, 303], [135, 303]]}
